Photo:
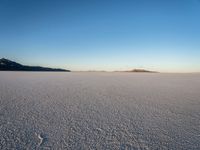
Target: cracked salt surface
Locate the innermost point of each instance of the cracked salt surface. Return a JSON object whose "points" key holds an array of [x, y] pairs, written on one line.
{"points": [[41, 139], [99, 111]]}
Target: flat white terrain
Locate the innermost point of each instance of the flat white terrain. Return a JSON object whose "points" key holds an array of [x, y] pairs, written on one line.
{"points": [[99, 111]]}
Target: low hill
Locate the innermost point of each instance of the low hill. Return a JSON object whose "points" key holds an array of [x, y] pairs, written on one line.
{"points": [[141, 70]]}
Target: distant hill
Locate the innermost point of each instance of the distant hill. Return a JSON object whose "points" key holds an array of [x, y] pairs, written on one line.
{"points": [[141, 70], [7, 65]]}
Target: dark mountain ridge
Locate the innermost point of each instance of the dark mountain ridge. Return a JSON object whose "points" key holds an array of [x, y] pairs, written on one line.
{"points": [[7, 65]]}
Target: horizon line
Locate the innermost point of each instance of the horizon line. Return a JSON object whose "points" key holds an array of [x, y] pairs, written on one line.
{"points": [[131, 70]]}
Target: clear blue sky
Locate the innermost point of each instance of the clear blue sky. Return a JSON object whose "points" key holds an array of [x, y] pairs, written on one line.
{"points": [[162, 35]]}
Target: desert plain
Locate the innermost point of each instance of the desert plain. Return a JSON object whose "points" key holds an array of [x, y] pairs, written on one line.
{"points": [[85, 110]]}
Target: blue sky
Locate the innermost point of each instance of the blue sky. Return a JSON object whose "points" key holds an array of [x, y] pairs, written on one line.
{"points": [[162, 35]]}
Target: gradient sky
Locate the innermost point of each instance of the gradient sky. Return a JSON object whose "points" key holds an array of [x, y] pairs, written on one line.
{"points": [[161, 35]]}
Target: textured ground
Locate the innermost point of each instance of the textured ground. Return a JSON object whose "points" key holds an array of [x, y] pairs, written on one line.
{"points": [[99, 111]]}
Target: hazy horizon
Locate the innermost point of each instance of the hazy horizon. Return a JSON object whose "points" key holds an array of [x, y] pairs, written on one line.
{"points": [[102, 35]]}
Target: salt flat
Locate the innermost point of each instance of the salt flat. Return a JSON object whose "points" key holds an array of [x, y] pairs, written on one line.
{"points": [[99, 111]]}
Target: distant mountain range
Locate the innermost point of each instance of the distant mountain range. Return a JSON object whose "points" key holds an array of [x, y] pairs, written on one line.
{"points": [[7, 65]]}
